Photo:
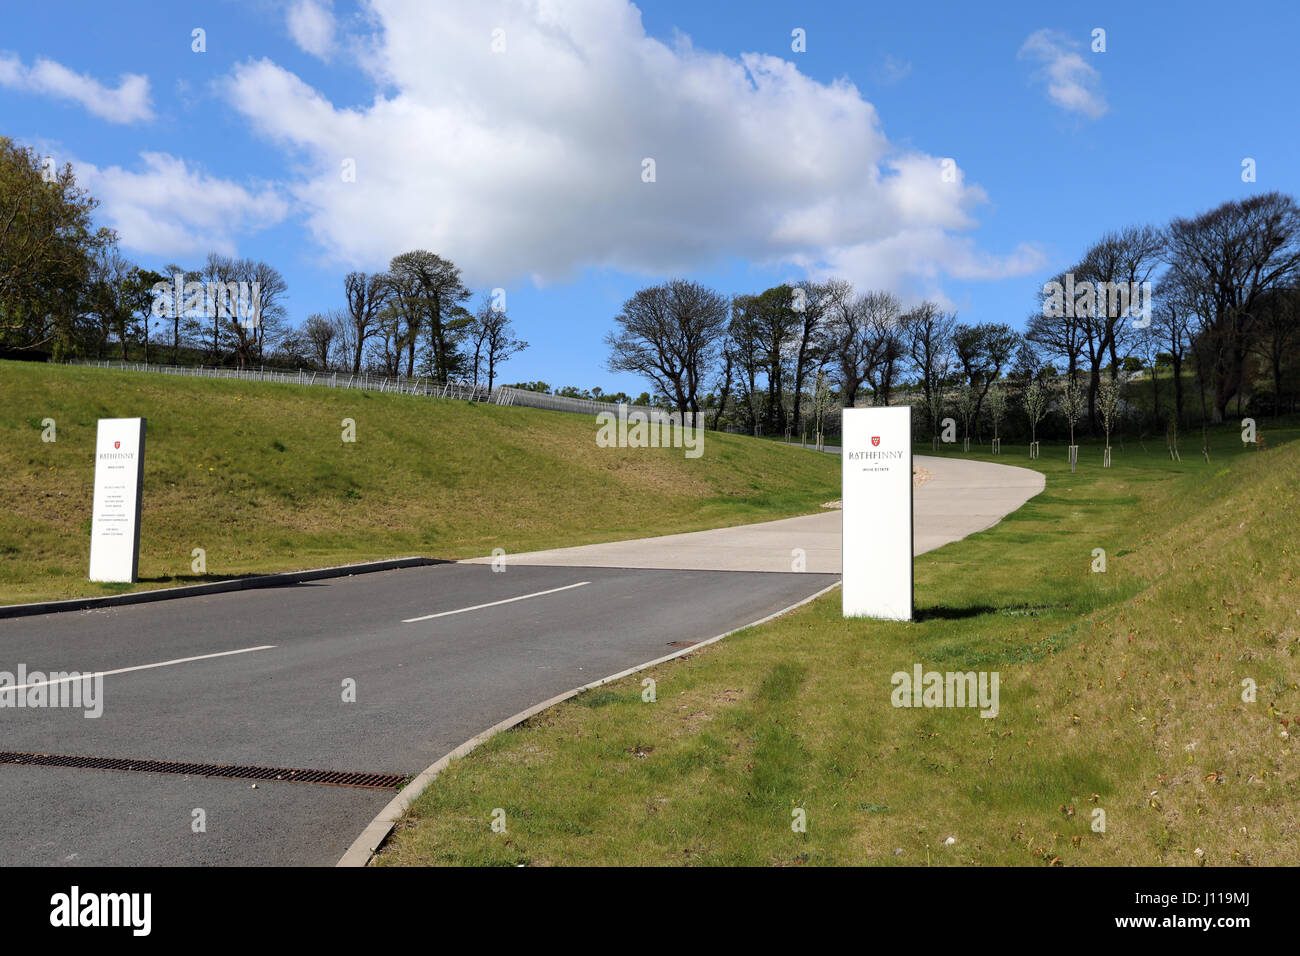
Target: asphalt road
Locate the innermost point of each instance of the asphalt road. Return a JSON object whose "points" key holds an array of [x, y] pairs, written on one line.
{"points": [[422, 688]]}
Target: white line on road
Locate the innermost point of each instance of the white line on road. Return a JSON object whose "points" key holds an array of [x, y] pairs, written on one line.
{"points": [[140, 667], [427, 617]]}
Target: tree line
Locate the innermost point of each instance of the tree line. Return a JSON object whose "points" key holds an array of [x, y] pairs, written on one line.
{"points": [[1214, 297], [66, 291]]}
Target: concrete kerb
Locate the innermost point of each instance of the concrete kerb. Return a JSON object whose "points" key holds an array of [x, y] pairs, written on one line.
{"points": [[376, 832], [214, 587]]}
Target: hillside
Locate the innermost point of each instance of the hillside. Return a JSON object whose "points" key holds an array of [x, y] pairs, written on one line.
{"points": [[257, 474]]}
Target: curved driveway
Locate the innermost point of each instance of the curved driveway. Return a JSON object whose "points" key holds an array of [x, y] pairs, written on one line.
{"points": [[435, 655], [962, 498]]}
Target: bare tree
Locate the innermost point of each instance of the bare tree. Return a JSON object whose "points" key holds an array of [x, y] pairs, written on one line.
{"points": [[1074, 401], [493, 338], [885, 343], [1058, 332], [670, 334], [927, 335], [1108, 396], [983, 351], [995, 403], [366, 295], [1227, 259], [811, 301], [319, 333]]}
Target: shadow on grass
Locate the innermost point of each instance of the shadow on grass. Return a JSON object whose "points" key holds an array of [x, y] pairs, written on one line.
{"points": [[941, 612]]}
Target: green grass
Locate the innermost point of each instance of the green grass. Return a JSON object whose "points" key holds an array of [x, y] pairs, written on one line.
{"points": [[258, 476], [1119, 691]]}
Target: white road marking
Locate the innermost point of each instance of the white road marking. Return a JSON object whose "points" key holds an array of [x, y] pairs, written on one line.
{"points": [[476, 607], [139, 667]]}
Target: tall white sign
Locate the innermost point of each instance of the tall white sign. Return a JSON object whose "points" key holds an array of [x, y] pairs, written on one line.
{"points": [[115, 525], [877, 494]]}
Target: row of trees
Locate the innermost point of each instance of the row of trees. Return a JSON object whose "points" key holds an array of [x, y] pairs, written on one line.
{"points": [[1224, 302], [412, 320], [67, 291], [1216, 295]]}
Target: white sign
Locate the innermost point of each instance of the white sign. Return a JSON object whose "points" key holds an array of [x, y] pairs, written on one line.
{"points": [[115, 525], [876, 479]]}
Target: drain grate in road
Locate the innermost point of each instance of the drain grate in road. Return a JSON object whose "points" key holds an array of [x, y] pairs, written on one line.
{"points": [[682, 643], [335, 778]]}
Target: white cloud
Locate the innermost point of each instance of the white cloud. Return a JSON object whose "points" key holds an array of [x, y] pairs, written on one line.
{"points": [[1072, 83], [170, 209], [128, 103], [528, 162], [311, 25]]}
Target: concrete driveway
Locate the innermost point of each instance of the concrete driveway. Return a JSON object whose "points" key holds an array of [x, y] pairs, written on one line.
{"points": [[962, 498]]}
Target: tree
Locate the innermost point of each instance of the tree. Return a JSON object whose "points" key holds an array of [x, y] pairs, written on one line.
{"points": [[968, 400], [863, 338], [262, 320], [1035, 402], [495, 341], [172, 304], [1060, 333], [217, 274], [743, 336], [1074, 401], [882, 312], [995, 404], [1172, 323], [1114, 265], [670, 334], [811, 301], [47, 243], [776, 322], [366, 296], [1277, 334], [109, 273], [1227, 259], [983, 351], [429, 290], [927, 336], [1108, 397], [319, 334], [725, 379], [138, 298]]}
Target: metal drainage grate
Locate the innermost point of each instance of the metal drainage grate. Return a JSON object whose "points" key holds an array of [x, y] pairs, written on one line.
{"points": [[682, 643], [335, 778]]}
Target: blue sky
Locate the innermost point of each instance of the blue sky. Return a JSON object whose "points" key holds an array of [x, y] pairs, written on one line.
{"points": [[523, 165]]}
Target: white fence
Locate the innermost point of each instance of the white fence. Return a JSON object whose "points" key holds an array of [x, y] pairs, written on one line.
{"points": [[413, 385], [406, 385]]}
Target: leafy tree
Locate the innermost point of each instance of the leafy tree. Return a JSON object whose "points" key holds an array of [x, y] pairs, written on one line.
{"points": [[48, 243], [1035, 402]]}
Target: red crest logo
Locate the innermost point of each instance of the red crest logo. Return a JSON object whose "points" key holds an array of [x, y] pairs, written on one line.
{"points": [[117, 444], [875, 439]]}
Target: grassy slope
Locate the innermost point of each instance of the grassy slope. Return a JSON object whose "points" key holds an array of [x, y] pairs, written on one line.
{"points": [[1119, 690], [257, 474]]}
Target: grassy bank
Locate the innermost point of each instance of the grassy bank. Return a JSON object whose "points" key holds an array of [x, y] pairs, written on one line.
{"points": [[1119, 691], [258, 476]]}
